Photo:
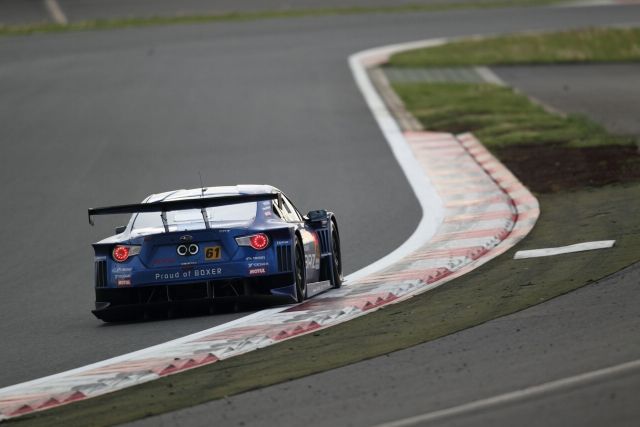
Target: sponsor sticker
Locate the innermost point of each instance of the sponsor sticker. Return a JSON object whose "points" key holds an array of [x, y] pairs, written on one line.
{"points": [[257, 271], [258, 264], [200, 272], [123, 282], [187, 274]]}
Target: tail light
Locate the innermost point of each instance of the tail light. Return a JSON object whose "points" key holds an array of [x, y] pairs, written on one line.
{"points": [[121, 253], [258, 241]]}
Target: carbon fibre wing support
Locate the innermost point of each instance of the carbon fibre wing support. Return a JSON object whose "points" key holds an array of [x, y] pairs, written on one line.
{"points": [[177, 205]]}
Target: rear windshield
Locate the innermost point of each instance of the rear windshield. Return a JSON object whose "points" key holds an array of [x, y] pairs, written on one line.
{"points": [[236, 215]]}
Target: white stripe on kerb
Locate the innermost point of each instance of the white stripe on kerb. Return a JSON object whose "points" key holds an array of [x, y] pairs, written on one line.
{"points": [[518, 395], [578, 247]]}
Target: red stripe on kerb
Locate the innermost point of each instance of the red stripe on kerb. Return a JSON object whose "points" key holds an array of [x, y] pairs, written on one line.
{"points": [[48, 402], [239, 332], [480, 217], [446, 171], [298, 330], [444, 253], [429, 275], [160, 366], [526, 200], [339, 303], [475, 202], [460, 180], [24, 409], [516, 186], [492, 232], [469, 190]]}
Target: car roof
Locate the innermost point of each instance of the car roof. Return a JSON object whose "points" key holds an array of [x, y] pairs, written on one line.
{"points": [[194, 193]]}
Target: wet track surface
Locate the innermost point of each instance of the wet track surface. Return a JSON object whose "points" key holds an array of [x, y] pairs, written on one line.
{"points": [[106, 117]]}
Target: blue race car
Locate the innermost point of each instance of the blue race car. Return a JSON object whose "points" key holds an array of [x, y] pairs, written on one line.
{"points": [[203, 246]]}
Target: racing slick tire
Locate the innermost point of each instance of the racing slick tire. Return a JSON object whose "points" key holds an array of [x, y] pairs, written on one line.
{"points": [[336, 257], [300, 271]]}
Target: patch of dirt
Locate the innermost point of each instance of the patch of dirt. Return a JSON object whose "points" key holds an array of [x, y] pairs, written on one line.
{"points": [[549, 168]]}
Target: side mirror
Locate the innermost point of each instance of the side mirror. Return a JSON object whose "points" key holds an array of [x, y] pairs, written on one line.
{"points": [[121, 229], [317, 215]]}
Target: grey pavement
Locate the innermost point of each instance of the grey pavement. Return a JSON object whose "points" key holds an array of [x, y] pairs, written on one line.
{"points": [[15, 12], [34, 11], [607, 93], [94, 118], [592, 328]]}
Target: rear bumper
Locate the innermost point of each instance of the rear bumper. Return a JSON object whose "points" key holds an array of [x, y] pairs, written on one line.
{"points": [[115, 303]]}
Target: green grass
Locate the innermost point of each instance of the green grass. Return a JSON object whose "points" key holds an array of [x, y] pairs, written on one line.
{"points": [[18, 30], [498, 116], [498, 288], [585, 45], [548, 151]]}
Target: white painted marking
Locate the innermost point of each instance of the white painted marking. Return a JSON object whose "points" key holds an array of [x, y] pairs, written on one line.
{"points": [[430, 201], [156, 349], [518, 395], [578, 247], [55, 11], [489, 76]]}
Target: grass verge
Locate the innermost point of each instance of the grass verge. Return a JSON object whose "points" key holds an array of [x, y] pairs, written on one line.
{"points": [[18, 30], [547, 151], [576, 46], [498, 288]]}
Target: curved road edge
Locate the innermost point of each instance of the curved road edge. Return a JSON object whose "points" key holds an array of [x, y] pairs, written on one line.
{"points": [[467, 226]]}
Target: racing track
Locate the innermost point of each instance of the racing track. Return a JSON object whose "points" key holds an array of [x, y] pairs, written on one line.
{"points": [[162, 103]]}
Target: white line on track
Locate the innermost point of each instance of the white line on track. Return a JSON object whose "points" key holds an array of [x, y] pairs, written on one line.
{"points": [[518, 395], [55, 11], [489, 76], [578, 247], [430, 202]]}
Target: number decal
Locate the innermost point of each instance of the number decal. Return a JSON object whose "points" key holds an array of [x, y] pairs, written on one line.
{"points": [[212, 253]]}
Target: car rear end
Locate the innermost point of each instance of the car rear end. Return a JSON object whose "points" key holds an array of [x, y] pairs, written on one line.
{"points": [[162, 271]]}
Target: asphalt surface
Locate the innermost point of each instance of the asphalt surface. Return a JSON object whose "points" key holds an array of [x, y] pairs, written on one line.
{"points": [[589, 329], [14, 12], [607, 93], [106, 117]]}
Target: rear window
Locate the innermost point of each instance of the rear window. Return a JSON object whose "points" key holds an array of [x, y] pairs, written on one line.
{"points": [[240, 214]]}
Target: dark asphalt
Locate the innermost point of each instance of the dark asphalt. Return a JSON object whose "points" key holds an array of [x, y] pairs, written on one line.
{"points": [[592, 328], [607, 93], [34, 11], [108, 116]]}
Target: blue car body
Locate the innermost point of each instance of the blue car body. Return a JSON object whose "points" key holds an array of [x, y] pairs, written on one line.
{"points": [[218, 244]]}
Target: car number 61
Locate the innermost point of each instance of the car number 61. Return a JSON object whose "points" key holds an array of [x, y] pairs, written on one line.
{"points": [[212, 253]]}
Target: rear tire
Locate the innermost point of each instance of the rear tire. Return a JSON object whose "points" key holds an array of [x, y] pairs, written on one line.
{"points": [[300, 272], [336, 257]]}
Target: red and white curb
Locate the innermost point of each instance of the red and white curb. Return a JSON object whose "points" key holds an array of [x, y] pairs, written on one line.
{"points": [[473, 210]]}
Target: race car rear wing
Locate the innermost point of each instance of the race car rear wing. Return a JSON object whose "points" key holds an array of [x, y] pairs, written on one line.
{"points": [[177, 205]]}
